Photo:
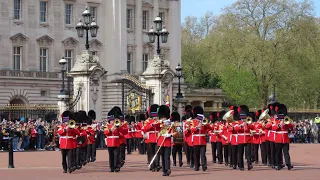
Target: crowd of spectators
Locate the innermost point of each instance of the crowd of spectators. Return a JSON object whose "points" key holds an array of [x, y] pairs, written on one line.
{"points": [[41, 135]]}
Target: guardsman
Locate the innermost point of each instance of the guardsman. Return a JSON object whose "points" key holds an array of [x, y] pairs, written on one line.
{"points": [[244, 130], [152, 136], [256, 138], [129, 135], [199, 130], [223, 136], [77, 152], [92, 116], [133, 130], [83, 147], [188, 135], [178, 139], [67, 133], [231, 117], [75, 143], [113, 132], [282, 126], [271, 150], [213, 136], [138, 134], [164, 140], [91, 138]]}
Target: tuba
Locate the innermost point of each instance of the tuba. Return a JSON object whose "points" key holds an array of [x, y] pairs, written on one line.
{"points": [[248, 120], [71, 124], [264, 115], [287, 120], [228, 116]]}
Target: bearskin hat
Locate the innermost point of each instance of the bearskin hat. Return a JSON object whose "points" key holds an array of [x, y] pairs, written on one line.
{"points": [[117, 108], [214, 116], [253, 116], [235, 113], [127, 118], [132, 119], [281, 109], [197, 110], [153, 110], [175, 116], [92, 114], [77, 118], [112, 115], [187, 108], [183, 118], [221, 114], [272, 108], [258, 113], [164, 112], [142, 117], [65, 116], [243, 111]]}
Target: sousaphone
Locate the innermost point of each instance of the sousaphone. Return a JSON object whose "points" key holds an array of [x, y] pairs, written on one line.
{"points": [[228, 115], [264, 115]]}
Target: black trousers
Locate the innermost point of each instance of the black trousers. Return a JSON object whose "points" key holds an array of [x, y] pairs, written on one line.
{"points": [[226, 154], [279, 157], [122, 153], [244, 148], [83, 154], [234, 155], [255, 152], [165, 158], [134, 144], [129, 145], [263, 149], [152, 149], [78, 157], [141, 145], [74, 158], [219, 152], [268, 152], [189, 154], [230, 153], [66, 158], [114, 157], [91, 152], [214, 151], [200, 152], [273, 153], [177, 149]]}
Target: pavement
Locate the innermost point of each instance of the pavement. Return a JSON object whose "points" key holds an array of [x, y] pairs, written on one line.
{"points": [[41, 165]]}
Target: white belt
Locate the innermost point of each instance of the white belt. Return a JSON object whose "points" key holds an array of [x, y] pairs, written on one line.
{"points": [[282, 132], [112, 137], [236, 135], [197, 135], [244, 134], [67, 137], [153, 131]]}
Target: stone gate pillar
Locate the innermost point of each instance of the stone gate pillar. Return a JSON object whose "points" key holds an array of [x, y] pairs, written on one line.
{"points": [[159, 77], [87, 73]]}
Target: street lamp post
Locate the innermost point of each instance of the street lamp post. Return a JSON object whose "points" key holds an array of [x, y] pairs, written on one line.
{"points": [[179, 75], [89, 24], [160, 31], [63, 64]]}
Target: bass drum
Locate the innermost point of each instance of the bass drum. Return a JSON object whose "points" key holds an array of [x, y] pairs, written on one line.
{"points": [[178, 137]]}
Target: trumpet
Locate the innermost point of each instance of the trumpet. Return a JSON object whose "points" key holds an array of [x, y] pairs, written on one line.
{"points": [[205, 121], [71, 124], [287, 120], [117, 123], [248, 120]]}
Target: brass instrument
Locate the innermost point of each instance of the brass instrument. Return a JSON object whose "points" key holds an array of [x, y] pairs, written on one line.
{"points": [[248, 120], [178, 137], [264, 116], [205, 121], [287, 120], [228, 116], [71, 124], [117, 123]]}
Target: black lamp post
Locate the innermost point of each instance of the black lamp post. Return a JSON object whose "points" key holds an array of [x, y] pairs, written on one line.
{"points": [[89, 24], [179, 75], [160, 31], [63, 64], [10, 144]]}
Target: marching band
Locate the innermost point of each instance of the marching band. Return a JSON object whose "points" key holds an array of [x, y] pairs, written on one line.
{"points": [[234, 135]]}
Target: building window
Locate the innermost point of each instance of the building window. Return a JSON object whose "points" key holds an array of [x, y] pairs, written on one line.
{"points": [[17, 9], [68, 14], [43, 11], [163, 18], [94, 12], [43, 59], [69, 57], [17, 58], [129, 63], [145, 20], [43, 93], [145, 61], [129, 18], [95, 53]]}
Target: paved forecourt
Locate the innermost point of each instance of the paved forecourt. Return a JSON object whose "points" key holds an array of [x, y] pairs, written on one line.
{"points": [[47, 165]]}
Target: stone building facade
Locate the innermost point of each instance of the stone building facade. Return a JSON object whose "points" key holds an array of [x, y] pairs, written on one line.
{"points": [[35, 34]]}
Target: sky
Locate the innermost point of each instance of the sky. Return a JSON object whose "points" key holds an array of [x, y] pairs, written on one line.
{"points": [[199, 7]]}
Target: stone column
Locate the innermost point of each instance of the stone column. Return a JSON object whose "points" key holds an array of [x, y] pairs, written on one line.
{"points": [[138, 37], [174, 39], [62, 104]]}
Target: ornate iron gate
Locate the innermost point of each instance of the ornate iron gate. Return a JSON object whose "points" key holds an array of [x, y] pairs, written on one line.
{"points": [[136, 97], [27, 111]]}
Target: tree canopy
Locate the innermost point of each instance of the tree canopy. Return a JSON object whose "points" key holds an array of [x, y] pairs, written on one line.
{"points": [[252, 45]]}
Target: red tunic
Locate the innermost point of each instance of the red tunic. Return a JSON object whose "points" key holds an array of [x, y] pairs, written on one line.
{"points": [[243, 131], [212, 132], [66, 137], [113, 137], [271, 136], [256, 138], [151, 131], [138, 133], [165, 140], [223, 135], [233, 133], [83, 133], [199, 133], [282, 132]]}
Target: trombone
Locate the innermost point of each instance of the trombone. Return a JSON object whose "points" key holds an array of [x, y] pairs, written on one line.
{"points": [[71, 124], [287, 120], [248, 120]]}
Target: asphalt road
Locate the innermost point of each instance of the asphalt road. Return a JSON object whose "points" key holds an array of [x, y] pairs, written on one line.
{"points": [[47, 165]]}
